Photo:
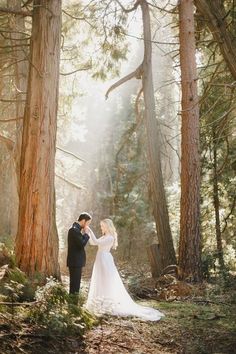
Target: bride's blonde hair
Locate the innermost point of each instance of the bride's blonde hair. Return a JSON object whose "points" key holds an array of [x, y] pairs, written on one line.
{"points": [[111, 230]]}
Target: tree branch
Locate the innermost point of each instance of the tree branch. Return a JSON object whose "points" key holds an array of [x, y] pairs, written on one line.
{"points": [[11, 100], [132, 8], [15, 12], [14, 46], [173, 11], [152, 41], [78, 18], [75, 71], [70, 153], [74, 17], [10, 120], [137, 74], [69, 182], [8, 142]]}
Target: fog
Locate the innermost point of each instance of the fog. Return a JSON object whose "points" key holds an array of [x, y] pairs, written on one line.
{"points": [[89, 119]]}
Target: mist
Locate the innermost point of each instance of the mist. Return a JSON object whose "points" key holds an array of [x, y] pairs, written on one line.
{"points": [[90, 118]]}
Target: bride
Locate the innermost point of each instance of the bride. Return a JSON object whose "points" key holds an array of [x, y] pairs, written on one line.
{"points": [[107, 293]]}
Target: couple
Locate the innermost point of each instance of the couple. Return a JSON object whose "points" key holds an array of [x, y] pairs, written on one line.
{"points": [[107, 294]]}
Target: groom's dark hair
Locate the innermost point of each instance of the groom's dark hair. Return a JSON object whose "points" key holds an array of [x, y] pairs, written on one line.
{"points": [[84, 216]]}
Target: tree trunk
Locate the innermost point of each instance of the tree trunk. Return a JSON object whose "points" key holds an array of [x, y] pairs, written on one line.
{"points": [[215, 16], [154, 157], [217, 206], [154, 257], [17, 25], [37, 239], [190, 240]]}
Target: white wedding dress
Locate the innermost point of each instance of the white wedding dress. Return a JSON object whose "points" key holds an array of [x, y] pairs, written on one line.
{"points": [[107, 293]]}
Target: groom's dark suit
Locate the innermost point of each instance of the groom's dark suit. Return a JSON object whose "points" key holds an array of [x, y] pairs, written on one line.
{"points": [[76, 257]]}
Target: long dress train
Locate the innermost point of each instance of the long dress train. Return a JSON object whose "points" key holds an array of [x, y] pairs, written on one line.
{"points": [[107, 293]]}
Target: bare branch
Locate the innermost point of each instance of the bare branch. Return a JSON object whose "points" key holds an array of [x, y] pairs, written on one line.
{"points": [[173, 11], [132, 8], [70, 153], [8, 142], [14, 46], [12, 64], [75, 71], [15, 32], [11, 100], [78, 18], [152, 41], [137, 74], [10, 120], [15, 12], [78, 186], [74, 17]]}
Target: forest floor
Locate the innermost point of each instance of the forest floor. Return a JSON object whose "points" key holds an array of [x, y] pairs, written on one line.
{"points": [[188, 327], [197, 323]]}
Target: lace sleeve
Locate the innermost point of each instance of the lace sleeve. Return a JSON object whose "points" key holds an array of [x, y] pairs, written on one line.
{"points": [[92, 238], [94, 241]]}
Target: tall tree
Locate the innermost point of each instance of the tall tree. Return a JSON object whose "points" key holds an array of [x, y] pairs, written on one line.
{"points": [[37, 239], [144, 72], [190, 240], [18, 35], [14, 44], [154, 147]]}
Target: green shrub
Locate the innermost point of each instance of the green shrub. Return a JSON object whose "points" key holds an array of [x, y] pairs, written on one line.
{"points": [[58, 312]]}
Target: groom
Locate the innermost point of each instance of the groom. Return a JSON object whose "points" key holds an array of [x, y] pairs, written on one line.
{"points": [[76, 256]]}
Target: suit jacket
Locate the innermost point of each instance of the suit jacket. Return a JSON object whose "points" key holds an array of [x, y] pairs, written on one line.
{"points": [[76, 256]]}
